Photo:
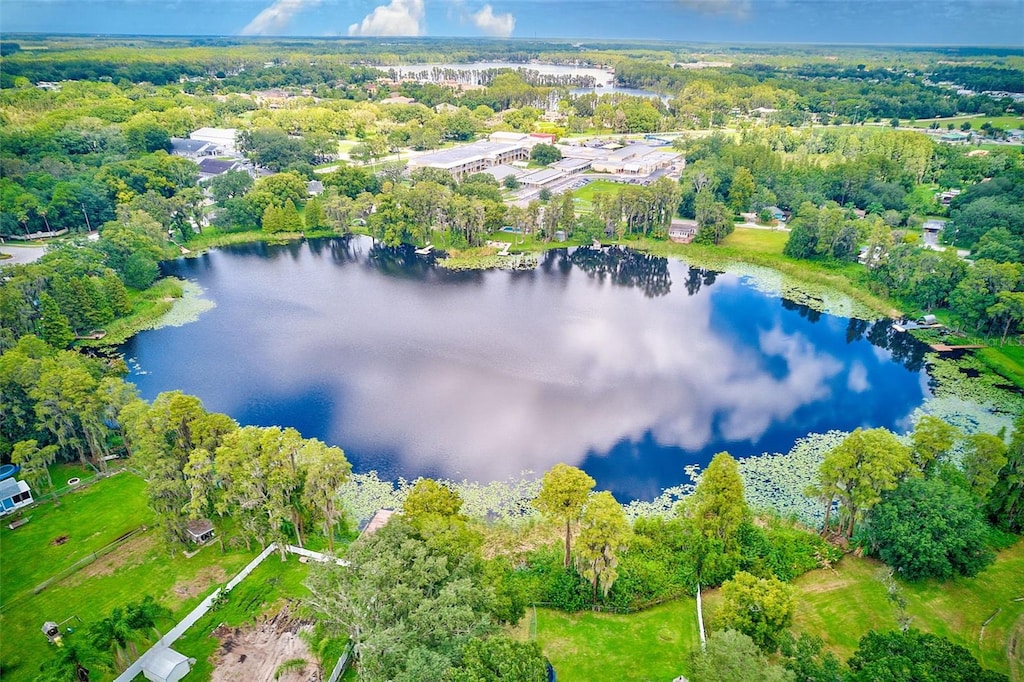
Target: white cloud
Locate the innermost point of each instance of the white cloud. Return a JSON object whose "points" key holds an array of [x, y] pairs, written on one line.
{"points": [[499, 25], [397, 18], [857, 380], [274, 19], [738, 8]]}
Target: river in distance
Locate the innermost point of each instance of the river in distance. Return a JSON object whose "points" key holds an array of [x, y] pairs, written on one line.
{"points": [[629, 366]]}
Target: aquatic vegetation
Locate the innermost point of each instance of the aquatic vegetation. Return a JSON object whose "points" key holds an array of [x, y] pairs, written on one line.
{"points": [[186, 309], [515, 261]]}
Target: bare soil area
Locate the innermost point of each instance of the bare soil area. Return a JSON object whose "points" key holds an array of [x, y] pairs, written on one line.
{"points": [[256, 653]]}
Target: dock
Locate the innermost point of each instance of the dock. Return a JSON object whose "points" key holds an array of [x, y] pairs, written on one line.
{"points": [[944, 348]]}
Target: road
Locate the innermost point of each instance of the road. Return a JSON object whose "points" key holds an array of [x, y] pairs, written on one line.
{"points": [[21, 254]]}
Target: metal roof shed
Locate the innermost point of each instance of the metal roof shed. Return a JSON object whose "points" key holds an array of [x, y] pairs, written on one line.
{"points": [[166, 665]]}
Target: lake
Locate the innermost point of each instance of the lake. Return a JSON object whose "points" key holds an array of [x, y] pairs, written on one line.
{"points": [[629, 366]]}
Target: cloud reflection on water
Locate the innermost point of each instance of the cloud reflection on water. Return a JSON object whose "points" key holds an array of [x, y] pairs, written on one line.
{"points": [[485, 392], [485, 375]]}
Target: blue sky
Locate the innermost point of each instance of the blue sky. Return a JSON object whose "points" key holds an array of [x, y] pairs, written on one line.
{"points": [[911, 22]]}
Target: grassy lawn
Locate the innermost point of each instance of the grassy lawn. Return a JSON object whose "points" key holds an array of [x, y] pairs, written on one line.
{"points": [[1003, 122], [757, 241], [91, 519], [650, 645], [841, 605], [590, 190], [1006, 360], [265, 591]]}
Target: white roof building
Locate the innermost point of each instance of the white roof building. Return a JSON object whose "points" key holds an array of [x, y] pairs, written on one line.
{"points": [[224, 137], [472, 158], [166, 665]]}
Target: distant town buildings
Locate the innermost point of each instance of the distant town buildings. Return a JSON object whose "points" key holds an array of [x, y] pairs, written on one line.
{"points": [[502, 151]]}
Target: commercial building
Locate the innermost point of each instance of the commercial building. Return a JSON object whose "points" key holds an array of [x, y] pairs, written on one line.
{"points": [[472, 158], [222, 137]]}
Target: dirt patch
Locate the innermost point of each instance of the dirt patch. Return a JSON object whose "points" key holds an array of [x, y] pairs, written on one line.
{"points": [[256, 653], [130, 553], [59, 540], [210, 575]]}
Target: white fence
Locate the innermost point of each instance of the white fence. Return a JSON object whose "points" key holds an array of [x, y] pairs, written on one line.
{"points": [[188, 621]]}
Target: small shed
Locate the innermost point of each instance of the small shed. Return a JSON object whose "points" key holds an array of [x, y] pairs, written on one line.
{"points": [[14, 495], [166, 665], [200, 530]]}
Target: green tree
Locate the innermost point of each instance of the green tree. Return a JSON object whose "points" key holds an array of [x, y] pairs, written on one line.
{"points": [[714, 222], [116, 294], [761, 608], [931, 440], [984, 457], [291, 221], [68, 406], [163, 437], [979, 290], [857, 471], [912, 656], [409, 606], [563, 495], [927, 528], [230, 185], [326, 469], [54, 326], [1006, 499], [273, 220], [259, 468], [35, 461], [428, 498], [314, 214], [741, 191], [717, 508], [604, 533], [732, 656], [545, 154], [499, 659]]}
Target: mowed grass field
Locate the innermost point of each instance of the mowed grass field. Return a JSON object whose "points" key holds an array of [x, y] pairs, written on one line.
{"points": [[1006, 360], [754, 240], [90, 519], [841, 605], [584, 196], [1002, 122], [649, 645]]}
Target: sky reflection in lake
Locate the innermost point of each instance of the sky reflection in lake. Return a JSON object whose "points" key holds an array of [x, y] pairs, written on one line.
{"points": [[629, 366]]}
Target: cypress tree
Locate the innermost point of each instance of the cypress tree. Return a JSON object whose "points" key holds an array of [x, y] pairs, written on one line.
{"points": [[53, 325], [291, 221]]}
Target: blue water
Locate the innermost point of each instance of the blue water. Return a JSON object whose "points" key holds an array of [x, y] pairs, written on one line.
{"points": [[629, 366]]}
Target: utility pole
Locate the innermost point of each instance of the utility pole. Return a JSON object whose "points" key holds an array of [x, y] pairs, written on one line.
{"points": [[87, 225]]}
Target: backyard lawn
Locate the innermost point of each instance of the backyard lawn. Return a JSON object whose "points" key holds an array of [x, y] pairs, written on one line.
{"points": [[650, 645], [89, 520], [842, 605], [751, 239]]}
